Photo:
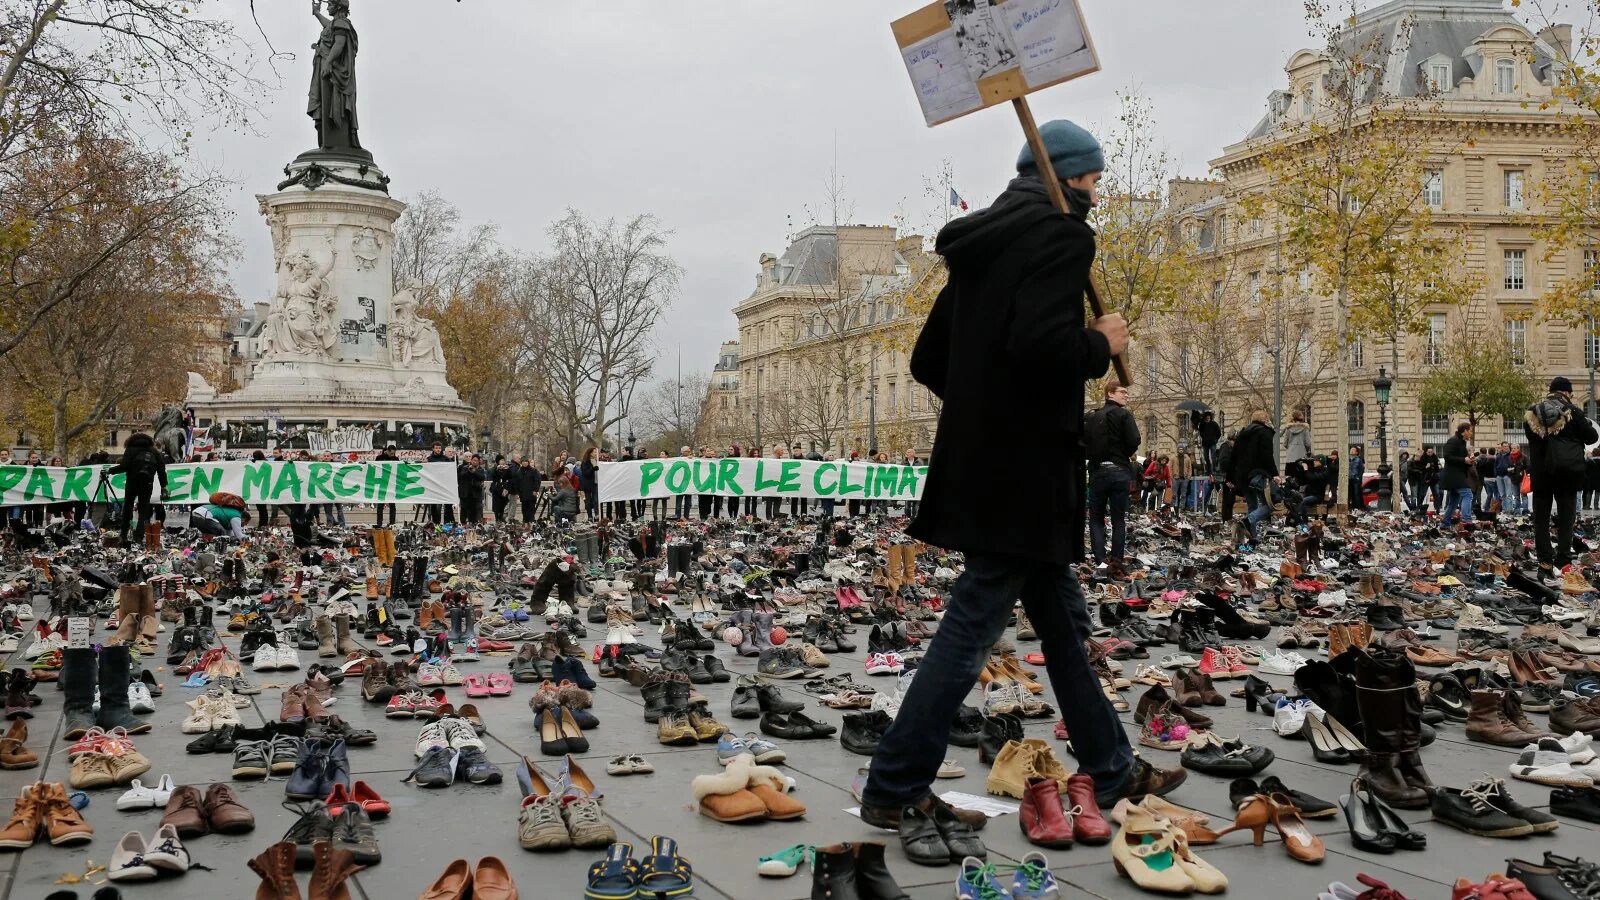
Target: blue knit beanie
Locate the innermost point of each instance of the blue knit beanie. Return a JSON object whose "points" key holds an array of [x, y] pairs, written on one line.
{"points": [[1073, 151]]}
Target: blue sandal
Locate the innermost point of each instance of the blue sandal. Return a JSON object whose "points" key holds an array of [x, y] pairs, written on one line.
{"points": [[666, 874], [616, 877]]}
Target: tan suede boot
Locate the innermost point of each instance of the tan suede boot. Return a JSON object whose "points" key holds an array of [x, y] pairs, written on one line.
{"points": [[341, 629], [325, 638], [1013, 766], [128, 604]]}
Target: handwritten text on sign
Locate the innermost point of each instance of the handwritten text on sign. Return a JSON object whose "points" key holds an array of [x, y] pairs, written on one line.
{"points": [[748, 477], [257, 482]]}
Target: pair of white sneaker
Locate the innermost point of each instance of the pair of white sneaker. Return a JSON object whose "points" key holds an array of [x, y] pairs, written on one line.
{"points": [[1276, 662], [141, 796], [210, 712], [269, 658], [136, 860], [1564, 762]]}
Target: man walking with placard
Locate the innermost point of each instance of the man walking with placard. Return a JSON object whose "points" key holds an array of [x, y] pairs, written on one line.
{"points": [[1006, 335]]}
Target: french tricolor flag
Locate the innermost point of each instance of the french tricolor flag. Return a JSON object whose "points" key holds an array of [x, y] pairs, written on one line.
{"points": [[955, 200]]}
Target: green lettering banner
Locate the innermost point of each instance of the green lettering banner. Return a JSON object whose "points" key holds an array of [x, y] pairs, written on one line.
{"points": [[269, 483], [759, 477]]}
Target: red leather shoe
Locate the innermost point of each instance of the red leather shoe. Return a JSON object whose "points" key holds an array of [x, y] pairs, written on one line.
{"points": [[1045, 823], [1089, 826], [362, 793], [337, 798], [1034, 659]]}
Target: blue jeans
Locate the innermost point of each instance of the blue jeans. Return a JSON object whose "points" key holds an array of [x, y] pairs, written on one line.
{"points": [[1457, 499], [1510, 494], [1255, 498], [1108, 492], [976, 613]]}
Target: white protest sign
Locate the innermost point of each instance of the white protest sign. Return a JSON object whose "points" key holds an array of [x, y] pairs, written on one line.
{"points": [[738, 476], [964, 55]]}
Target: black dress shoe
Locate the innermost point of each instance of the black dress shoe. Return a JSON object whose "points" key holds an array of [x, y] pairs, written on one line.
{"points": [[1472, 814], [921, 839], [745, 704], [1576, 803], [961, 838], [1241, 790], [1547, 882], [862, 731], [1310, 807], [967, 729]]}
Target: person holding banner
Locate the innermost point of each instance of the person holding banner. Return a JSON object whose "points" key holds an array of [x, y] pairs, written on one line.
{"points": [[141, 467], [1007, 350]]}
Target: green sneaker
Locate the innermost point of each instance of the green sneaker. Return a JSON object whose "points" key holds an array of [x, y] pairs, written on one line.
{"points": [[786, 861]]}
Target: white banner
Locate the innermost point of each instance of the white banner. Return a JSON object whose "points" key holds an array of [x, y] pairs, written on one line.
{"points": [[269, 482], [758, 477]]}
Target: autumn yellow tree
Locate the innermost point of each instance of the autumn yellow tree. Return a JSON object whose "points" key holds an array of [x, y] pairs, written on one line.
{"points": [[138, 254], [1143, 265], [1345, 185]]}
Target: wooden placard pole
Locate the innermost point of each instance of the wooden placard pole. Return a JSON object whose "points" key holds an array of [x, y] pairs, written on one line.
{"points": [[1047, 172]]}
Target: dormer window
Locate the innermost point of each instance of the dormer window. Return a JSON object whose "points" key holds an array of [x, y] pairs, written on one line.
{"points": [[1307, 106], [1439, 77], [1505, 76]]}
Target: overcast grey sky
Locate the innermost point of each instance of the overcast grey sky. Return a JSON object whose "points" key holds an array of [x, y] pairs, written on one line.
{"points": [[720, 118]]}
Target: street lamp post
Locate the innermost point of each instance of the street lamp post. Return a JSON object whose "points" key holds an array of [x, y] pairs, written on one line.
{"points": [[1381, 386]]}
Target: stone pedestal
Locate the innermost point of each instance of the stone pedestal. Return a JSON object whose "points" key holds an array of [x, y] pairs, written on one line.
{"points": [[338, 344]]}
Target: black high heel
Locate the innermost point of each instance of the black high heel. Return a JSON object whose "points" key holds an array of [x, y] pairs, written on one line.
{"points": [[1324, 746], [1258, 693], [1364, 821]]}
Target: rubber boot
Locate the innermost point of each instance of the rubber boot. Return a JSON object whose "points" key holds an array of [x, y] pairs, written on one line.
{"points": [[343, 644], [78, 673], [325, 638], [116, 666], [419, 577], [399, 582]]}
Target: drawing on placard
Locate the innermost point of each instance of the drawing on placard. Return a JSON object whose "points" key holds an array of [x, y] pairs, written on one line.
{"points": [[983, 39], [944, 87], [1050, 38]]}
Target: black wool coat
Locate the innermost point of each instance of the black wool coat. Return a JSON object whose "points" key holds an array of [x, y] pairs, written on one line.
{"points": [[1006, 348]]}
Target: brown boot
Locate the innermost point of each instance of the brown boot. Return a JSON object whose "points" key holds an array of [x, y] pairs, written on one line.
{"points": [[325, 638], [342, 642], [275, 865], [26, 817], [1338, 639], [128, 603], [61, 822], [13, 755], [1514, 714], [329, 870], [425, 616], [1488, 723]]}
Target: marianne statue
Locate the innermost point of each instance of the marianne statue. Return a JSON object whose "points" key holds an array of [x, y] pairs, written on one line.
{"points": [[333, 80]]}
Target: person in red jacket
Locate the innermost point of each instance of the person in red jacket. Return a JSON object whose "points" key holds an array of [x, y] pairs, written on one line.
{"points": [[1157, 478]]}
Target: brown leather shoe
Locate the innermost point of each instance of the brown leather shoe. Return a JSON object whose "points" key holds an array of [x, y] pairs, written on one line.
{"points": [[1488, 723], [1144, 779], [889, 816], [1566, 717], [330, 870], [1157, 697], [224, 811], [186, 812], [26, 818], [491, 880], [275, 865], [13, 755], [62, 824], [452, 884]]}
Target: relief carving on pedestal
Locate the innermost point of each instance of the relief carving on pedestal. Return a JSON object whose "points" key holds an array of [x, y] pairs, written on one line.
{"points": [[300, 317]]}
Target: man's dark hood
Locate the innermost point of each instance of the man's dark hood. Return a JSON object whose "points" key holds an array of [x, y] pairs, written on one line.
{"points": [[981, 236]]}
